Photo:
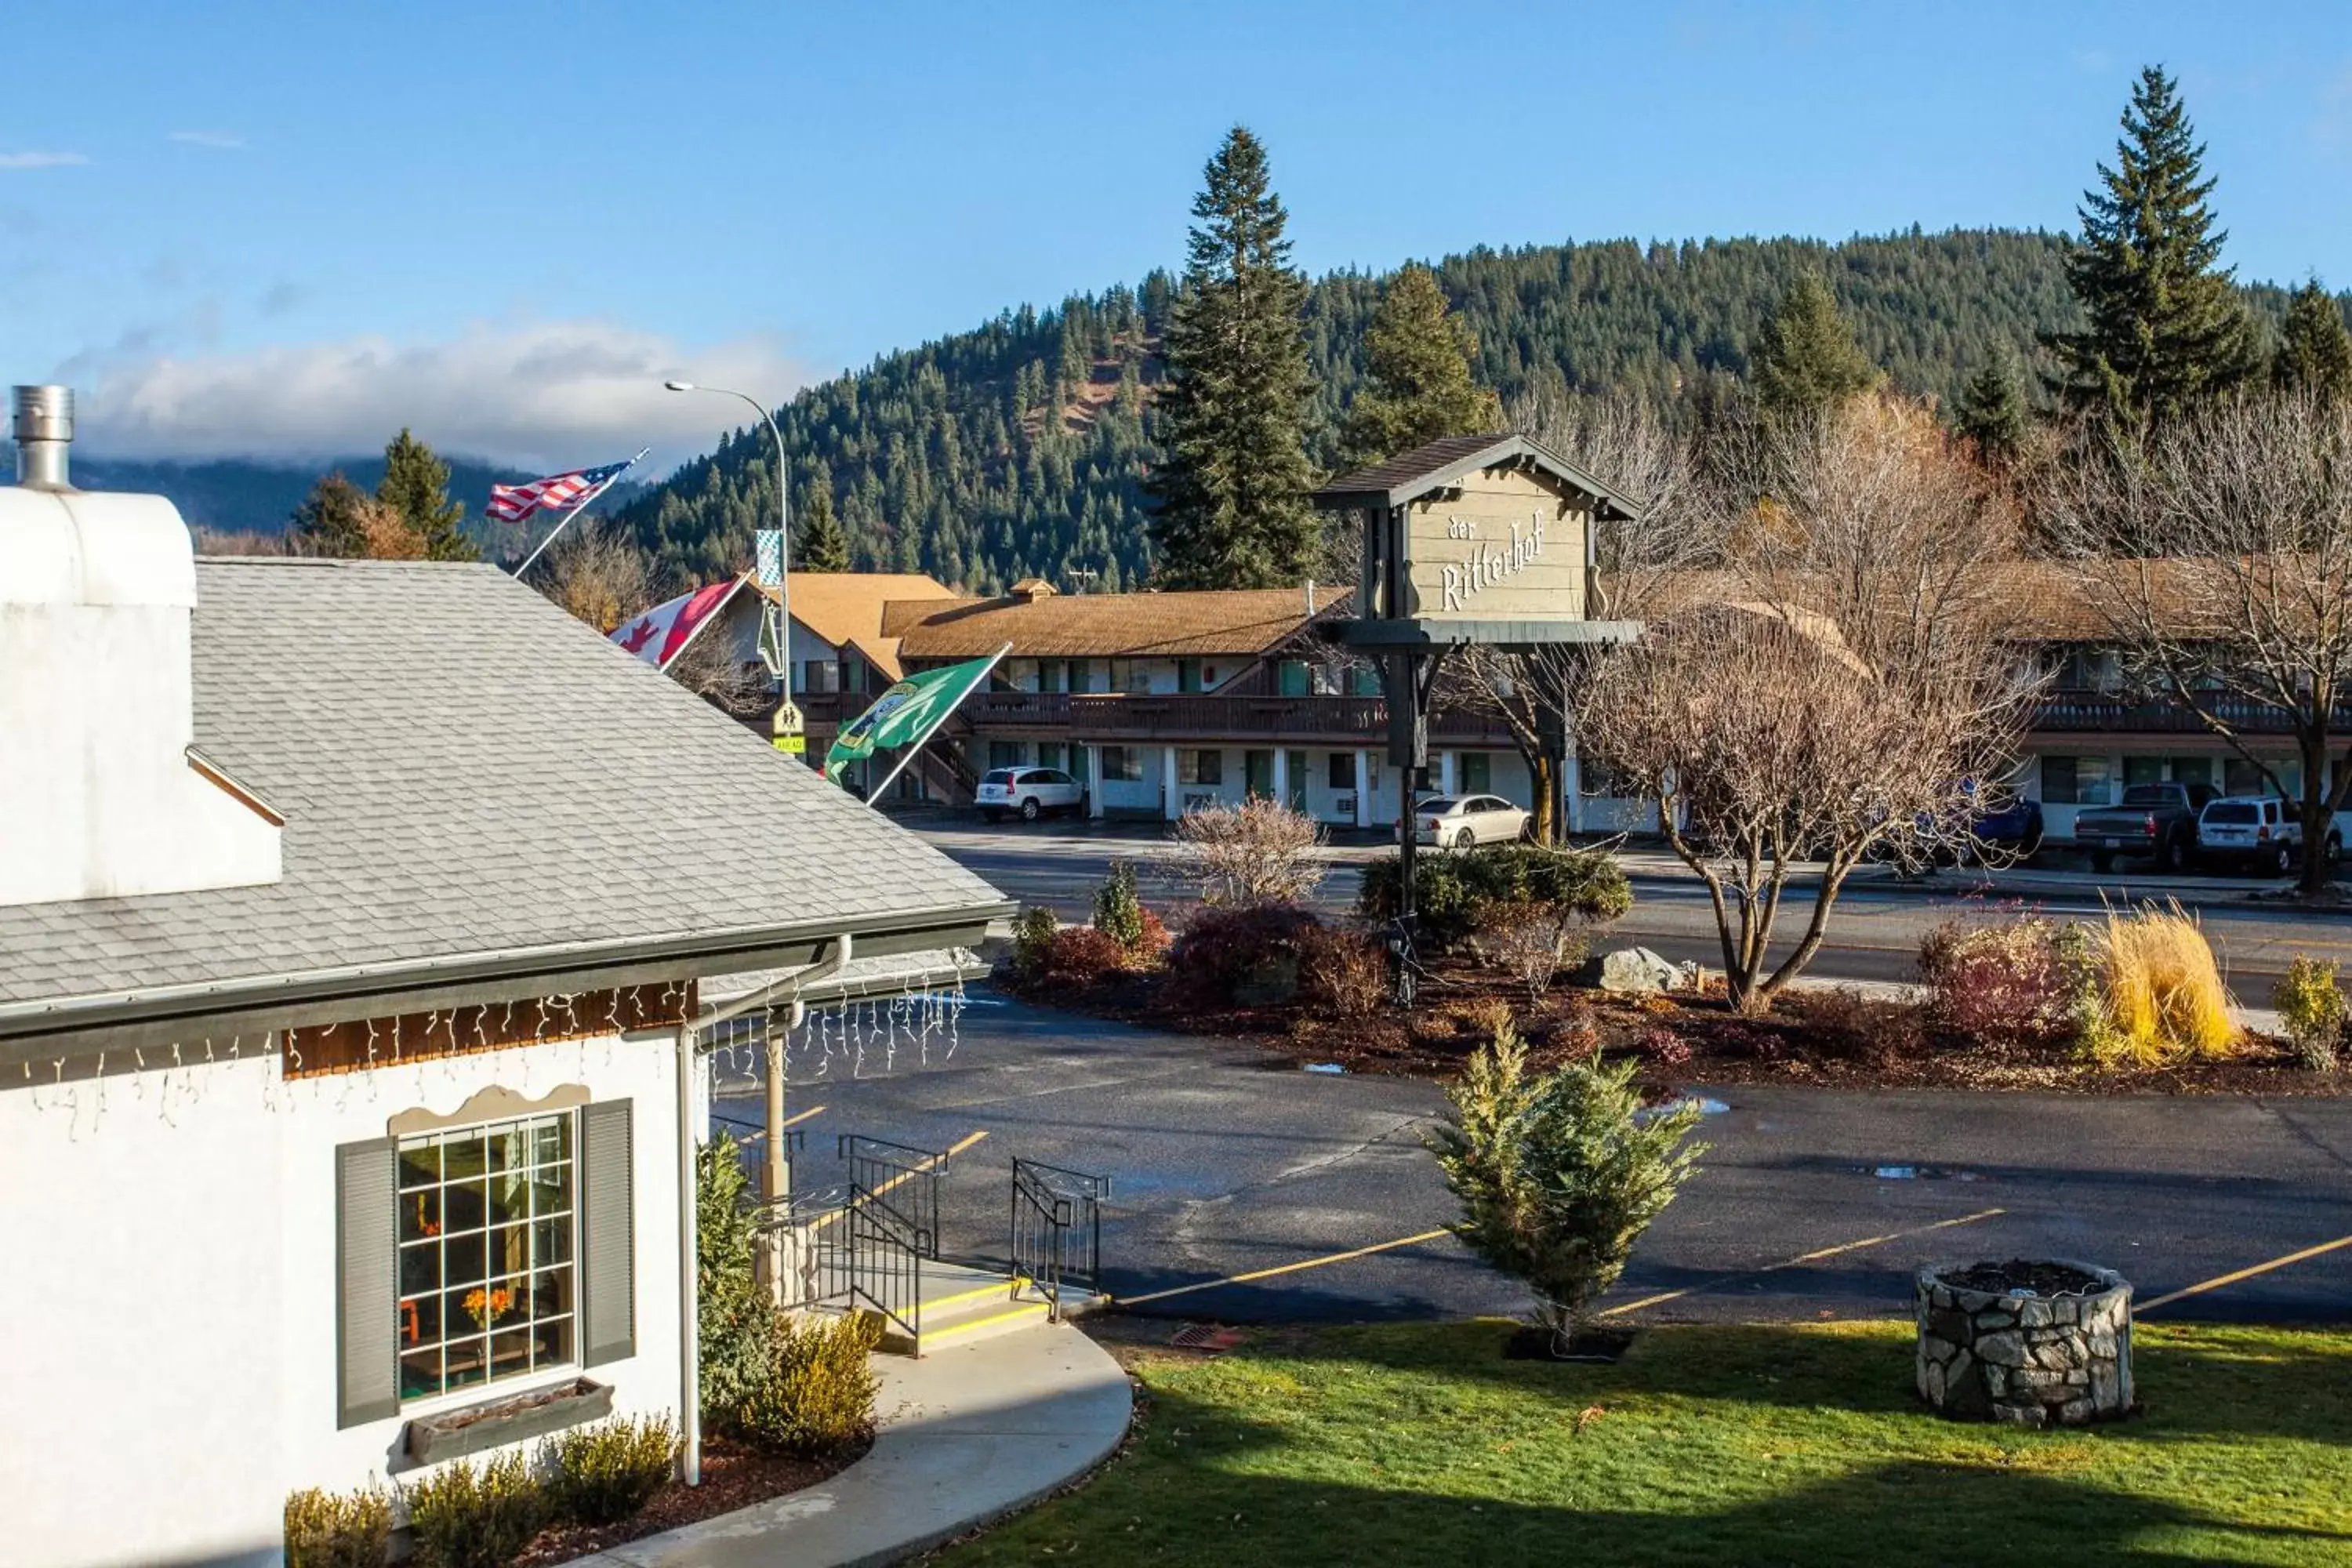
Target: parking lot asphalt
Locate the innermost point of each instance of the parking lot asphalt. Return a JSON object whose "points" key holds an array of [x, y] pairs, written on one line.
{"points": [[1228, 1162]]}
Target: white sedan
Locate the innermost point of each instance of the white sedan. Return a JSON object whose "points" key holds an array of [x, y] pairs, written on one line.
{"points": [[1031, 792], [1465, 822]]}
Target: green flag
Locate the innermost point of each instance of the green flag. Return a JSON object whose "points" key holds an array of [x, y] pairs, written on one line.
{"points": [[905, 714]]}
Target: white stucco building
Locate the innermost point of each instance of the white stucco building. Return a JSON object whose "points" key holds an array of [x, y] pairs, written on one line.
{"points": [[350, 912]]}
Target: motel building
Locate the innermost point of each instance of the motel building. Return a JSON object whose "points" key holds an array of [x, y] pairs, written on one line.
{"points": [[359, 924]]}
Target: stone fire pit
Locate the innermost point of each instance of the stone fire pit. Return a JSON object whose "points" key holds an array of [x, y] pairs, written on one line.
{"points": [[2035, 1342]]}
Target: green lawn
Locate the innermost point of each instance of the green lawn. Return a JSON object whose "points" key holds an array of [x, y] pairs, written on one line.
{"points": [[1801, 1445]]}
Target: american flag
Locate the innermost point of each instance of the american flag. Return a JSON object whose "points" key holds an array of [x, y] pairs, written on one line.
{"points": [[557, 492]]}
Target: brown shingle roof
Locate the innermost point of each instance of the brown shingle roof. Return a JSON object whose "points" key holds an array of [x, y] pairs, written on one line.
{"points": [[845, 608], [1107, 625]]}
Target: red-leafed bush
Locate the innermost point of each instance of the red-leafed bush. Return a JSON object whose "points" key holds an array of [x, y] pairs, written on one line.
{"points": [[1247, 957], [1664, 1046], [1344, 972], [2004, 981], [1078, 956], [1155, 940]]}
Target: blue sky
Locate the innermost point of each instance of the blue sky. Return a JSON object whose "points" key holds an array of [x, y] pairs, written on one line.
{"points": [[286, 228]]}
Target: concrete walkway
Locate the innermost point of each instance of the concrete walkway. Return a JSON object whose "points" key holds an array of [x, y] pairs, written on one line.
{"points": [[968, 1435]]}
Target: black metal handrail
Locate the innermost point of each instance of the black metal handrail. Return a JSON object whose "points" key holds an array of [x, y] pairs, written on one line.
{"points": [[1057, 1231], [893, 1221]]}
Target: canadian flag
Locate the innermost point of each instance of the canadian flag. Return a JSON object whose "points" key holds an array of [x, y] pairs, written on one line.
{"points": [[661, 634]]}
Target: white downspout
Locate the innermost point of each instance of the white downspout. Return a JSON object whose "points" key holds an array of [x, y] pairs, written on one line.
{"points": [[689, 1241]]}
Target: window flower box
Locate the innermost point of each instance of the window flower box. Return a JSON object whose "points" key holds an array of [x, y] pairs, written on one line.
{"points": [[514, 1418]]}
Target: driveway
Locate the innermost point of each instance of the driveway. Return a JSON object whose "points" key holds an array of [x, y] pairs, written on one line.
{"points": [[1225, 1163]]}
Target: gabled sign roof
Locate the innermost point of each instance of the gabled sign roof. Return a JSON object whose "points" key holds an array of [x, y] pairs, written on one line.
{"points": [[1412, 474]]}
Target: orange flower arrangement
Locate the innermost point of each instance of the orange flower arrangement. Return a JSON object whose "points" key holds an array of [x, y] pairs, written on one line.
{"points": [[484, 1305]]}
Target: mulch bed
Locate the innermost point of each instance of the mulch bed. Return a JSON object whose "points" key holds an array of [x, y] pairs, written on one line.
{"points": [[733, 1477], [1828, 1039]]}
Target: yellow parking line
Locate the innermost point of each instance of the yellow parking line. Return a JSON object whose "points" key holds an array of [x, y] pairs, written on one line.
{"points": [[940, 1159], [803, 1116], [2220, 1279], [1801, 1258], [1282, 1268]]}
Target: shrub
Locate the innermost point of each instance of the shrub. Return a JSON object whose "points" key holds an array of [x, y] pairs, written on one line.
{"points": [[1118, 913], [2002, 983], [338, 1530], [1344, 972], [1257, 853], [465, 1516], [1455, 896], [1246, 956], [1078, 956], [1844, 1022], [1664, 1046], [731, 1310], [1559, 1175], [1156, 939], [2310, 1004], [1532, 943], [2163, 998], [1032, 934], [814, 1395], [603, 1474]]}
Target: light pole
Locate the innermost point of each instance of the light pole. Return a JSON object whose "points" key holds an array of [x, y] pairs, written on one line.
{"points": [[777, 1170], [783, 525]]}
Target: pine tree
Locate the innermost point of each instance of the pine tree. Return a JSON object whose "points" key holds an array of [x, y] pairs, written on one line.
{"points": [[1230, 492], [1418, 386], [2166, 326], [416, 486], [1992, 411], [1806, 360], [2315, 350], [331, 520], [823, 546]]}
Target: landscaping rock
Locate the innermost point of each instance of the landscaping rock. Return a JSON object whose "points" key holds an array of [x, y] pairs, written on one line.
{"points": [[1636, 971]]}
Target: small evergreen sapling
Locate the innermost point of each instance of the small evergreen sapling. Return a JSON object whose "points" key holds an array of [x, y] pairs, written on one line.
{"points": [[1118, 911], [1559, 1175], [2311, 1005]]}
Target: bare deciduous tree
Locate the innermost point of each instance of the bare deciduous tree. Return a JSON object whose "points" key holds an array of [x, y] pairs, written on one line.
{"points": [[597, 574], [2217, 555], [713, 669], [1837, 689]]}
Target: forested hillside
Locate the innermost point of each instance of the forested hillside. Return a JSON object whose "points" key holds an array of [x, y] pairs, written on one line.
{"points": [[1019, 449]]}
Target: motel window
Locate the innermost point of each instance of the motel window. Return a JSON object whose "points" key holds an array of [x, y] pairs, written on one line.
{"points": [[821, 676], [1343, 770], [1077, 674], [2074, 780], [486, 1238], [1049, 754], [1049, 674], [1200, 767], [1188, 675], [2192, 770], [1290, 678], [1363, 680], [1122, 764], [2240, 776], [1007, 754], [1475, 772], [2142, 771]]}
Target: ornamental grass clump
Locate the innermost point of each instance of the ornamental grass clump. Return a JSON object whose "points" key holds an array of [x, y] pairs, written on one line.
{"points": [[2310, 1003], [603, 1474], [1559, 1175], [338, 1530], [2163, 998]]}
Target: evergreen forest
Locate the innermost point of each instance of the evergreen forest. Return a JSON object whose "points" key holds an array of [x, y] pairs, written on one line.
{"points": [[1021, 447]]}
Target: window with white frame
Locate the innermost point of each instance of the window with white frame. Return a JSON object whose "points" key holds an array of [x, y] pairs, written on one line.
{"points": [[487, 1236]]}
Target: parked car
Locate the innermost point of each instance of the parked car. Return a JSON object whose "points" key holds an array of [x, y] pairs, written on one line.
{"points": [[2013, 829], [1465, 822], [2158, 821], [1031, 792], [2260, 830]]}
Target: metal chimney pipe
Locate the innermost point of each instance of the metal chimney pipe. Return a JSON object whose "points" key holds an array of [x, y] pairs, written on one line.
{"points": [[44, 429]]}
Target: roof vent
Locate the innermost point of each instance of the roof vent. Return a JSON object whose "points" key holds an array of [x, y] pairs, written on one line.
{"points": [[1029, 590], [44, 429]]}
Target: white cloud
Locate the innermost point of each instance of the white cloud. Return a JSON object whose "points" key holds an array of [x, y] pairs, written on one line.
{"points": [[547, 394], [220, 141], [42, 160]]}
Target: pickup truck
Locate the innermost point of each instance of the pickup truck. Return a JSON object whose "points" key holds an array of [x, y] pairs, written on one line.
{"points": [[2157, 820]]}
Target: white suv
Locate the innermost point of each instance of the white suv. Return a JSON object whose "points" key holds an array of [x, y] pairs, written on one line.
{"points": [[2262, 829], [1031, 792]]}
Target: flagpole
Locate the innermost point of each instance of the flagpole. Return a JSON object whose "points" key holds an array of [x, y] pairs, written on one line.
{"points": [[583, 504], [876, 792]]}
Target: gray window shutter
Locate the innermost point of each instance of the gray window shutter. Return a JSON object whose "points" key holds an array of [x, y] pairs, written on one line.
{"points": [[367, 1265], [608, 1241]]}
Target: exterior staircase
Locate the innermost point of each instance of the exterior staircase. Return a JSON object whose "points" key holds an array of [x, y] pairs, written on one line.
{"points": [[964, 1306]]}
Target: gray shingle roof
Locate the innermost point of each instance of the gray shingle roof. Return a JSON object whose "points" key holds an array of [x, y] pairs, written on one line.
{"points": [[1410, 475], [467, 770]]}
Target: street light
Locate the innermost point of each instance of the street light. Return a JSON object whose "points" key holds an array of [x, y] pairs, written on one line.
{"points": [[778, 1181], [783, 537]]}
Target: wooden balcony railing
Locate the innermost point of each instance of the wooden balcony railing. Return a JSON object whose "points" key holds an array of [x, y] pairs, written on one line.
{"points": [[2097, 712], [1209, 715]]}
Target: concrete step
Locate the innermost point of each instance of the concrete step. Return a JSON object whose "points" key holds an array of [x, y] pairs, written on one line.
{"points": [[962, 1306]]}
